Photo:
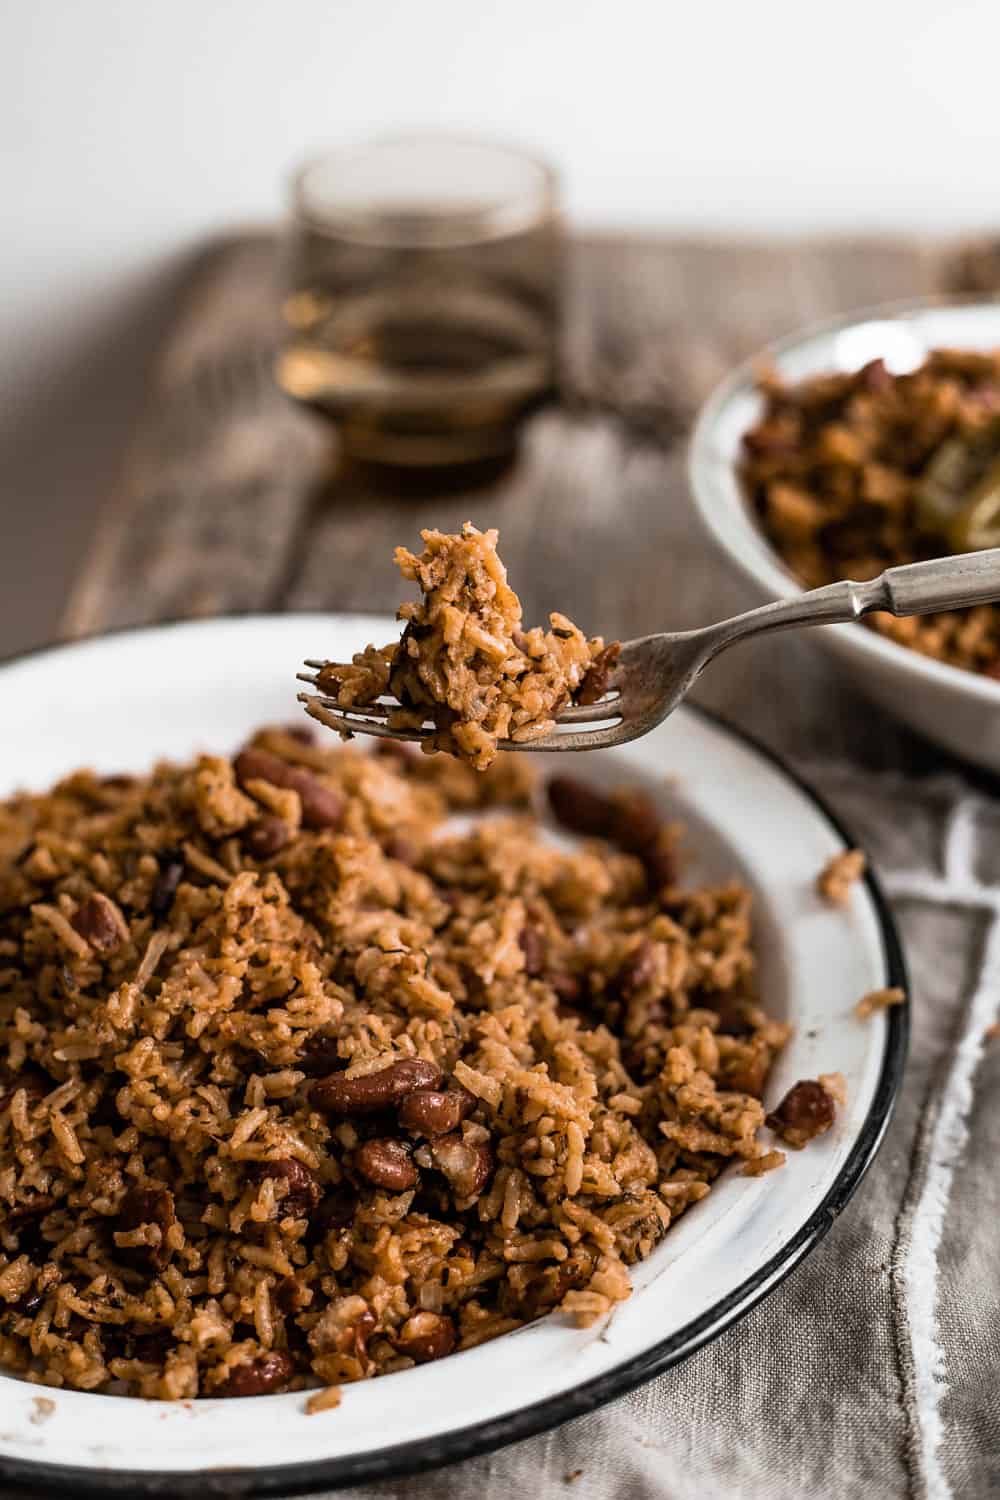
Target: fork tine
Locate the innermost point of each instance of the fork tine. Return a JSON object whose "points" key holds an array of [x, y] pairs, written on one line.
{"points": [[362, 710], [591, 713], [340, 719]]}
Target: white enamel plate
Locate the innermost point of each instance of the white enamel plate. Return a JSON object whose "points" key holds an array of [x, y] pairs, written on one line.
{"points": [[119, 702]]}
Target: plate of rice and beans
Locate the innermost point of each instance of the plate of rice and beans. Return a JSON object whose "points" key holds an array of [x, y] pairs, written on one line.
{"points": [[362, 1110], [870, 442]]}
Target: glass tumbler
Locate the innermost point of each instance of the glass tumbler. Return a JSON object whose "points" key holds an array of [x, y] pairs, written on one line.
{"points": [[422, 305]]}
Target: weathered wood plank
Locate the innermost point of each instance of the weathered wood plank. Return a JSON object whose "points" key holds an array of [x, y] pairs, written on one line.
{"points": [[217, 483]]}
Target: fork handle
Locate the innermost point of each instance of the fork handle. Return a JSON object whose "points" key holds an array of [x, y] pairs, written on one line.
{"points": [[912, 589], [943, 583]]}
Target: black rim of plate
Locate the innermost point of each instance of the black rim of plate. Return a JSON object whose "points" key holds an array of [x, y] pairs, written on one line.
{"points": [[28, 1478]]}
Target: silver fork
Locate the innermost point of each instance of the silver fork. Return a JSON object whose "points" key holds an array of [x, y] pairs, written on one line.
{"points": [[655, 672]]}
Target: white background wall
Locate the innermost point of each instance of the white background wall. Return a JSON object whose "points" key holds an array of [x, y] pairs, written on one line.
{"points": [[130, 128]]}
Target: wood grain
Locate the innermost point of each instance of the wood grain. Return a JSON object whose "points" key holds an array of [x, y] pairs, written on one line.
{"points": [[232, 500]]}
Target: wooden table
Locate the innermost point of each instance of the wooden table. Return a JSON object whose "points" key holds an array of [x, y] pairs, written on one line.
{"points": [[232, 500]]}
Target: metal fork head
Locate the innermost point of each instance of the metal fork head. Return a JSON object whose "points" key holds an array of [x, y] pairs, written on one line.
{"points": [[653, 674]]}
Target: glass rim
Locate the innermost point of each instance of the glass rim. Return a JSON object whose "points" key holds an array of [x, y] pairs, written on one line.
{"points": [[522, 209]]}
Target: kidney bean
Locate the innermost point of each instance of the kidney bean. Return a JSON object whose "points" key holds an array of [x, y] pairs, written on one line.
{"points": [[632, 822], [304, 1191], [171, 863], [322, 807], [534, 947], [146, 1205], [580, 807], [636, 825], [266, 836], [806, 1111], [387, 1164], [597, 677], [339, 1095], [258, 1377], [466, 1165], [95, 920], [433, 1112], [426, 1336]]}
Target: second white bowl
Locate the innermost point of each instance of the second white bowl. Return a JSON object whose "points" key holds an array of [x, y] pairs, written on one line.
{"points": [[959, 710]]}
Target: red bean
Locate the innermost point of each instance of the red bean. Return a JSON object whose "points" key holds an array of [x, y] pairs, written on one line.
{"points": [[339, 1095], [466, 1165], [387, 1164], [631, 821], [267, 836], [258, 1377], [304, 1191], [636, 826], [597, 677], [806, 1111], [433, 1112], [95, 921], [322, 807], [580, 807], [426, 1336]]}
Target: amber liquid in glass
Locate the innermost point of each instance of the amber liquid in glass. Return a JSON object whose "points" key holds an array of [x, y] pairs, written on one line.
{"points": [[422, 358]]}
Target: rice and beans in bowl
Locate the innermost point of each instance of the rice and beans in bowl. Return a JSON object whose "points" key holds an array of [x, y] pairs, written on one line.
{"points": [[852, 473]]}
